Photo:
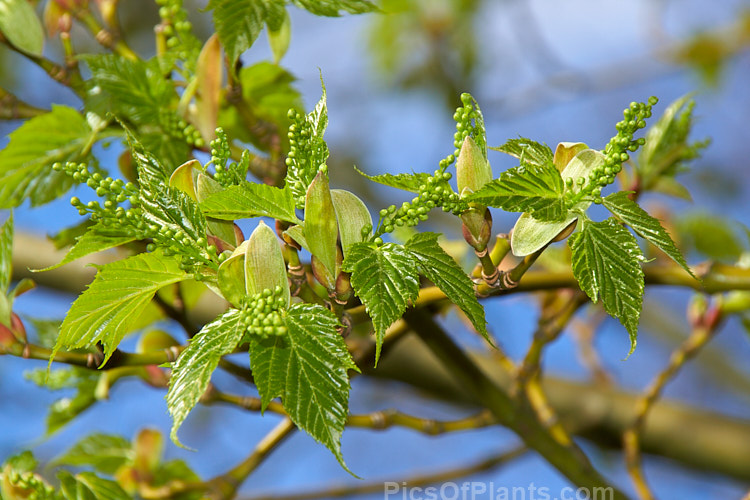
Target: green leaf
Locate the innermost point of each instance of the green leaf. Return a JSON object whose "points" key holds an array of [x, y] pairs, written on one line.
{"points": [[530, 188], [110, 305], [89, 486], [307, 368], [192, 371], [441, 269], [667, 147], [64, 410], [279, 38], [104, 452], [644, 225], [711, 235], [21, 26], [527, 151], [268, 90], [167, 207], [97, 239], [26, 163], [386, 279], [407, 182], [239, 22], [310, 150], [606, 262], [6, 253], [333, 8], [251, 200]]}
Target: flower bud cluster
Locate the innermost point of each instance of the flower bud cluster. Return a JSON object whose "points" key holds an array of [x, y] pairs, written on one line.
{"points": [[180, 129], [302, 146], [131, 221], [178, 31], [32, 485], [227, 174], [435, 192], [466, 117], [616, 151], [261, 313]]}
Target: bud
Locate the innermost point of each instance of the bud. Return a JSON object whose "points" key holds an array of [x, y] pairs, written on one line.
{"points": [[205, 186], [155, 340], [477, 227], [472, 169], [56, 19], [265, 268], [108, 9], [352, 216], [321, 229], [148, 447], [208, 75]]}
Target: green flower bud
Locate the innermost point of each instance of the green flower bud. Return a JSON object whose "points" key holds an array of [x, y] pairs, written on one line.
{"points": [[264, 263]]}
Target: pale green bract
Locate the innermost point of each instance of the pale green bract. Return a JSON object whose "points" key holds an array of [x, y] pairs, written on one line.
{"points": [[111, 304], [606, 261]]}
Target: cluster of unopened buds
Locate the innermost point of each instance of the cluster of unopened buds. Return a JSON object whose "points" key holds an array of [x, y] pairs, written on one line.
{"points": [[261, 314]]}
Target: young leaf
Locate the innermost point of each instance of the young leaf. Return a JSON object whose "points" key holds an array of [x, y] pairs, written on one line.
{"points": [[333, 8], [527, 151], [26, 163], [308, 369], [64, 410], [6, 253], [167, 207], [310, 150], [239, 22], [407, 182], [120, 291], [104, 452], [712, 235], [251, 200], [644, 225], [192, 371], [97, 239], [21, 26], [606, 262], [386, 279], [441, 269], [87, 485], [279, 38], [530, 188]]}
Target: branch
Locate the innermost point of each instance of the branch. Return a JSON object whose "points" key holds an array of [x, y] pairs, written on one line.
{"points": [[413, 482], [379, 420], [717, 443], [13, 108], [514, 414], [704, 329]]}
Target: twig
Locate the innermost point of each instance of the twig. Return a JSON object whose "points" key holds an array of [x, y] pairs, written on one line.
{"points": [[410, 482], [584, 334], [178, 314], [379, 420], [93, 360], [704, 329], [13, 108], [570, 461]]}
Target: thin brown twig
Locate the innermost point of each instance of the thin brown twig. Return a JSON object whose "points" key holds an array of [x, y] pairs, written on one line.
{"points": [[416, 481], [704, 329], [379, 420]]}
